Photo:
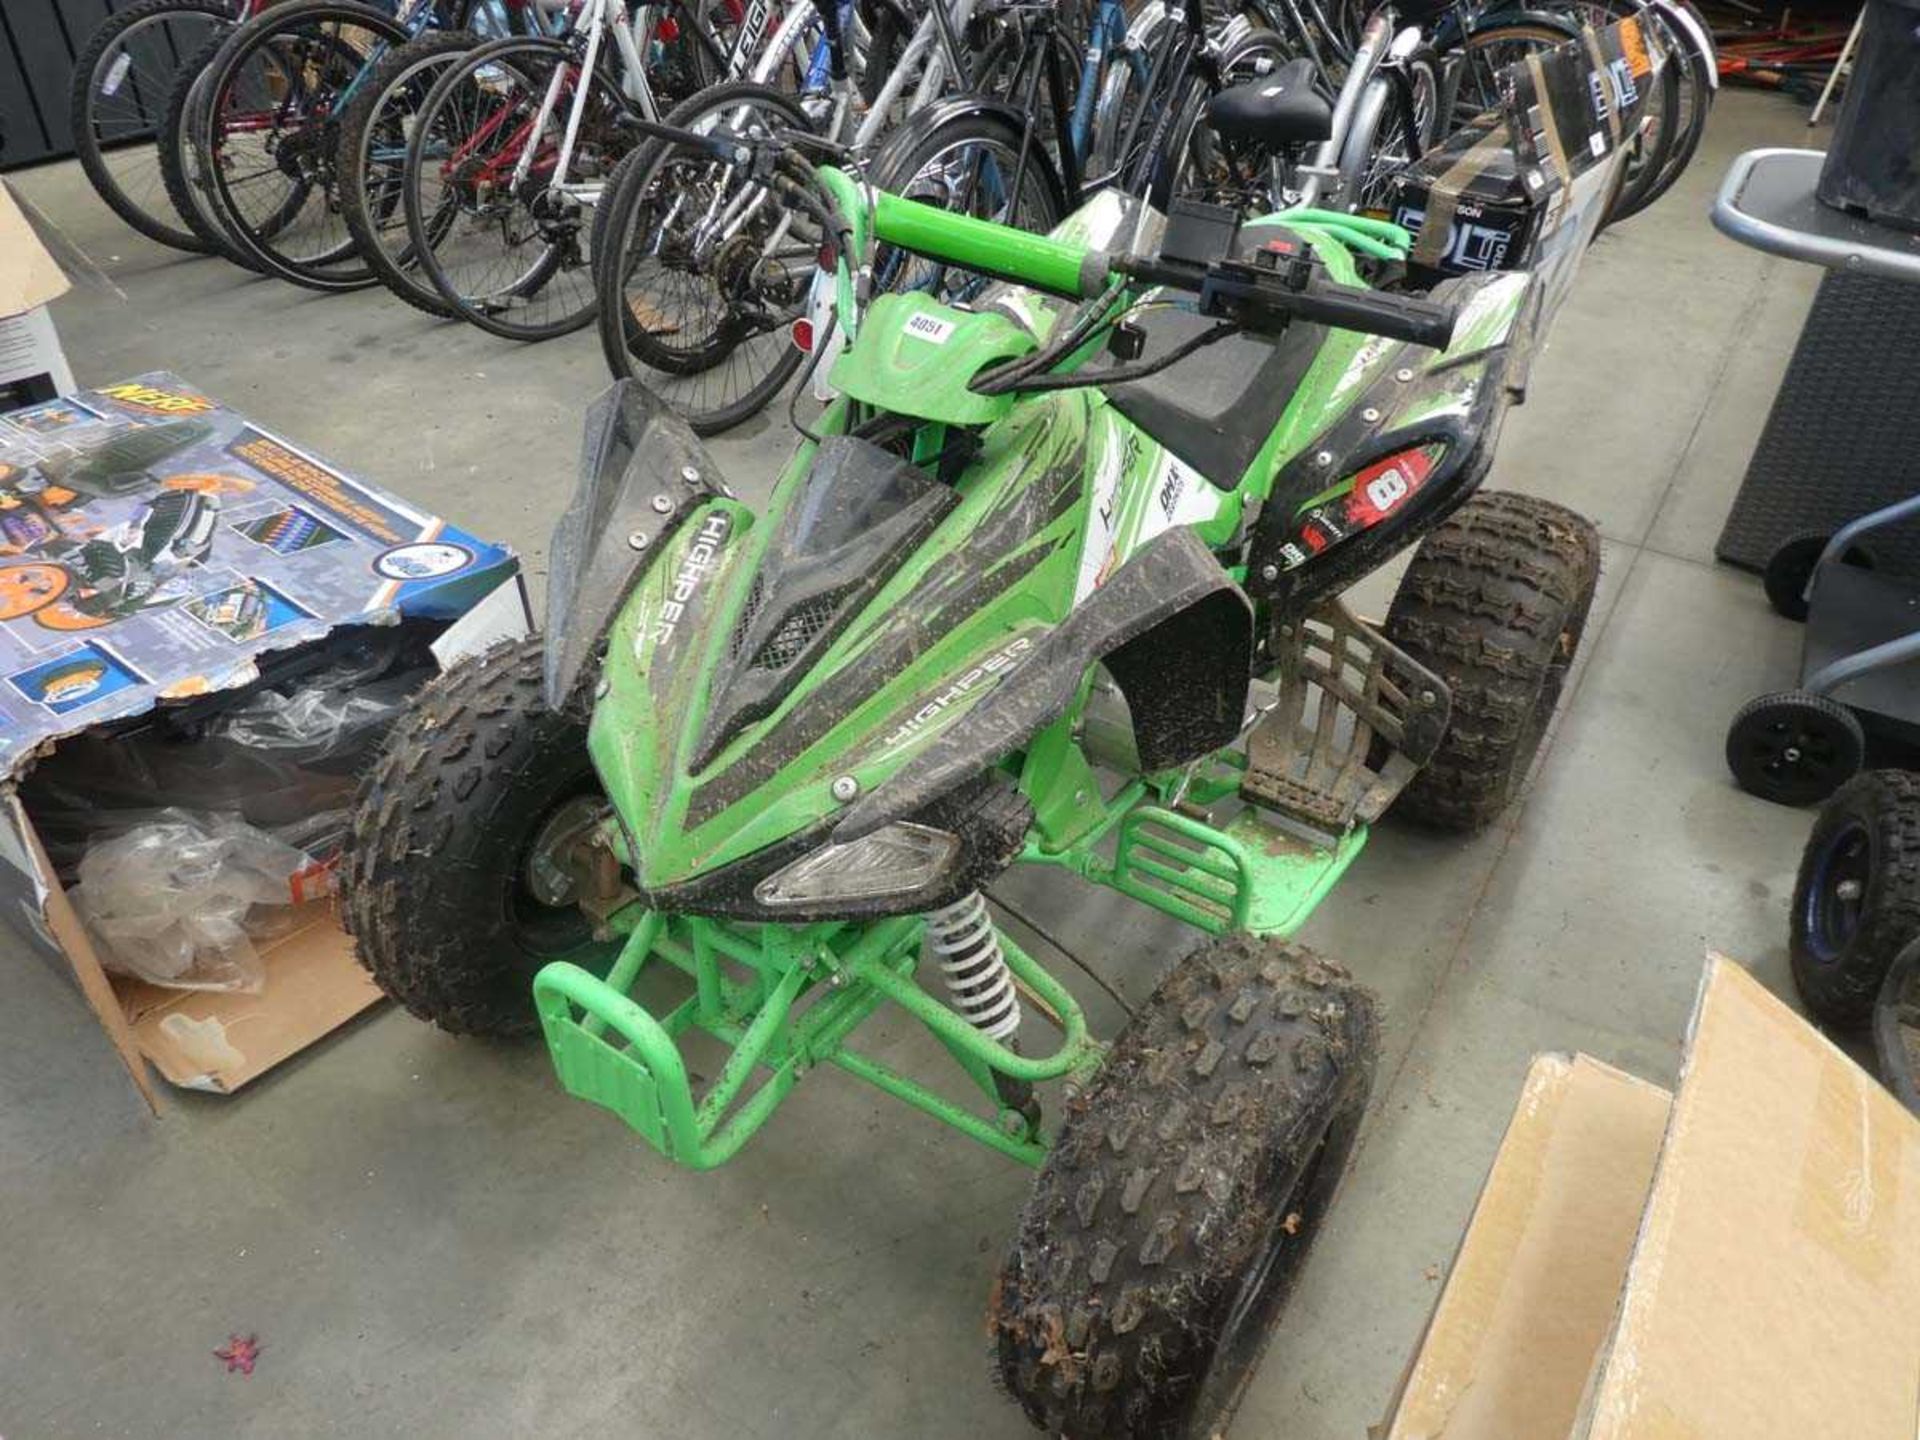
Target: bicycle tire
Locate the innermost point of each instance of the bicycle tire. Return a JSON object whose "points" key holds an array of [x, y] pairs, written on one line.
{"points": [[491, 308], [635, 350], [337, 265], [900, 167], [405, 67], [1690, 88], [1657, 138], [1169, 173], [1118, 95], [1380, 122], [1534, 30], [179, 166], [93, 73]]}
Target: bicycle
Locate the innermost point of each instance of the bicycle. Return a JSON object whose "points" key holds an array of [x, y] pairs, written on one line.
{"points": [[512, 147], [117, 102], [701, 299], [265, 126]]}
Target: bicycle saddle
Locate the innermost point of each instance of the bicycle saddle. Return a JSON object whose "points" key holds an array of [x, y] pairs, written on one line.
{"points": [[1282, 107]]}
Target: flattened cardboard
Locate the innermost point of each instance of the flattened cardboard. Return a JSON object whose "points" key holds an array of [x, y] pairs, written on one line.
{"points": [[1533, 1288], [218, 1041], [1774, 1290], [29, 276]]}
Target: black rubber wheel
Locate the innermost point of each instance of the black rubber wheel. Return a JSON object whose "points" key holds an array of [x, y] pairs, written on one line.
{"points": [[1856, 902], [269, 136], [439, 889], [1494, 602], [515, 261], [1401, 114], [186, 185], [372, 162], [122, 80], [886, 43], [1473, 64], [715, 342], [955, 165], [1186, 1184], [1649, 153], [1896, 1027], [1794, 747], [1790, 567]]}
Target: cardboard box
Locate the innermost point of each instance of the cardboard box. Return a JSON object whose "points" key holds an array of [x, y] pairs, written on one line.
{"points": [[157, 549], [1534, 1285], [32, 365], [1749, 1269]]}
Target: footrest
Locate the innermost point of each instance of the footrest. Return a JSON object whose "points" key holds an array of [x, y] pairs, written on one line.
{"points": [[616, 1055], [1250, 876], [1356, 718]]}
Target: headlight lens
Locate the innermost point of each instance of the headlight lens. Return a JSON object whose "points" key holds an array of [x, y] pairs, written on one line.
{"points": [[894, 860]]}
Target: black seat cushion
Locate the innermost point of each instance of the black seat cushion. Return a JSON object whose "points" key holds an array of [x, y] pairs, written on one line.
{"points": [[1280, 108], [1216, 408]]}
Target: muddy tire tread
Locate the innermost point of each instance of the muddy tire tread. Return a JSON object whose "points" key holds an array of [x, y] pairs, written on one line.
{"points": [[1485, 603], [1161, 1184], [421, 891]]}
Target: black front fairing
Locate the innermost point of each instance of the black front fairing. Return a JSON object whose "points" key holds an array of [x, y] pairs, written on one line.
{"points": [[859, 513], [642, 472]]}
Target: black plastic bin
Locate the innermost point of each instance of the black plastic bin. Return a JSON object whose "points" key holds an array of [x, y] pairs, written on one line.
{"points": [[1873, 165]]}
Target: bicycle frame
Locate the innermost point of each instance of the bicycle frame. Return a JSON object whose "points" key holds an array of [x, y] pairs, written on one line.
{"points": [[1107, 36], [601, 17]]}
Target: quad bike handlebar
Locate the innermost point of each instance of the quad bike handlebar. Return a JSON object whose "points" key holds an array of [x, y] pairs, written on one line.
{"points": [[1262, 292]]}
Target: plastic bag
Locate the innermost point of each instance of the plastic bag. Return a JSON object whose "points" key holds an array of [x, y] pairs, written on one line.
{"points": [[284, 755], [178, 900]]}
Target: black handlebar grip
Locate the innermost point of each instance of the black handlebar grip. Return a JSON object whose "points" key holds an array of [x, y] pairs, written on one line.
{"points": [[1397, 317]]}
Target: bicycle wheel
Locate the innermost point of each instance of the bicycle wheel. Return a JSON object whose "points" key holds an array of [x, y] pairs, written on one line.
{"points": [[372, 163], [122, 81], [1473, 66], [970, 164], [188, 185], [269, 133], [705, 271], [1402, 112], [1191, 162], [1650, 147], [504, 238], [1685, 93]]}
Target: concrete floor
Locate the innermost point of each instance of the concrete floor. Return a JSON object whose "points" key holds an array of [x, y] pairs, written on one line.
{"points": [[431, 1240]]}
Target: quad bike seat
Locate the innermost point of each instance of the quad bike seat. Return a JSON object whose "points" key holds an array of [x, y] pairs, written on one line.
{"points": [[1216, 408], [1282, 107]]}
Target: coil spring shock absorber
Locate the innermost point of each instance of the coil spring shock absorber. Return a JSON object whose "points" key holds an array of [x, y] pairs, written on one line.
{"points": [[981, 987], [976, 972]]}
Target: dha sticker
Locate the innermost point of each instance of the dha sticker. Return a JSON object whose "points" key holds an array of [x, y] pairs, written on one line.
{"points": [[929, 328], [423, 560]]}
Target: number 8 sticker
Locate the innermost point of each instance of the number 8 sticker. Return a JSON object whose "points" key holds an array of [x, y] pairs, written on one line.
{"points": [[1384, 491]]}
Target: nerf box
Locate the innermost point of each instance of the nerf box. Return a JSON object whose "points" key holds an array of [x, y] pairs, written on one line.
{"points": [[159, 551]]}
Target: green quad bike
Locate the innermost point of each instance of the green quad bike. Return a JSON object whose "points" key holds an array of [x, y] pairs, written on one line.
{"points": [[1010, 605]]}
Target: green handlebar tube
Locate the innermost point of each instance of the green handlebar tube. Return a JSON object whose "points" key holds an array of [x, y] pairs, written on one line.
{"points": [[1060, 266]]}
